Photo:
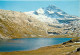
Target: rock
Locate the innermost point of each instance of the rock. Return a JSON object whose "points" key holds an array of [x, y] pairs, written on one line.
{"points": [[54, 33], [64, 43], [68, 45], [78, 49]]}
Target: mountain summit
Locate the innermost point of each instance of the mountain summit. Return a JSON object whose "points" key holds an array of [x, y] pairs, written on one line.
{"points": [[52, 14]]}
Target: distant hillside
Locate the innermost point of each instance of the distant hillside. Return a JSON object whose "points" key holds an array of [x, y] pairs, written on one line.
{"points": [[18, 25], [52, 15], [62, 22]]}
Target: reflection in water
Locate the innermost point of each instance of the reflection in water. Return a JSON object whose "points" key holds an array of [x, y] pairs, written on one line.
{"points": [[26, 44]]}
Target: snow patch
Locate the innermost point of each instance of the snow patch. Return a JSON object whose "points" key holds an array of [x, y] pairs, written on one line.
{"points": [[40, 11]]}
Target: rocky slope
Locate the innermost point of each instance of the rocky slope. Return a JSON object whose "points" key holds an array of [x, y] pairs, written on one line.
{"points": [[58, 19], [73, 28], [44, 22], [18, 25]]}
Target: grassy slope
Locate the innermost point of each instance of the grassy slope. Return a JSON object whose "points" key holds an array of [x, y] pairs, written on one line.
{"points": [[18, 25]]}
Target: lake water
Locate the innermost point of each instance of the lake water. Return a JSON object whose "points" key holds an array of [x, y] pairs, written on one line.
{"points": [[26, 44]]}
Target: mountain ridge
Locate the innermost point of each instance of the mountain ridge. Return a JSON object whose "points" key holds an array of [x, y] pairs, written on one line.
{"points": [[29, 25], [18, 25], [50, 14]]}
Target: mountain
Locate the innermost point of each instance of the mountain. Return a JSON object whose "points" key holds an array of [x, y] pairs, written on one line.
{"points": [[74, 28], [55, 17], [52, 14], [43, 22], [18, 25]]}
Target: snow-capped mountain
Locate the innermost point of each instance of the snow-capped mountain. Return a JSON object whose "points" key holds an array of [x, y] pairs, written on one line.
{"points": [[52, 14]]}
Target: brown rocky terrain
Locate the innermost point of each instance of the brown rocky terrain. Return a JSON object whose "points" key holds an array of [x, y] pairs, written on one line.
{"points": [[18, 25]]}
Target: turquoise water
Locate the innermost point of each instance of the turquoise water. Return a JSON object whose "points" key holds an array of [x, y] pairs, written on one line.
{"points": [[26, 44]]}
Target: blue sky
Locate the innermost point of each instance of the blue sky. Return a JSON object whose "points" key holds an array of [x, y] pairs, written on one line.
{"points": [[71, 7], [39, 0]]}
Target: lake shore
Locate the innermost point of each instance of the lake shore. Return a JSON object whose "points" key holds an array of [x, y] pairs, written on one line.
{"points": [[67, 48]]}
